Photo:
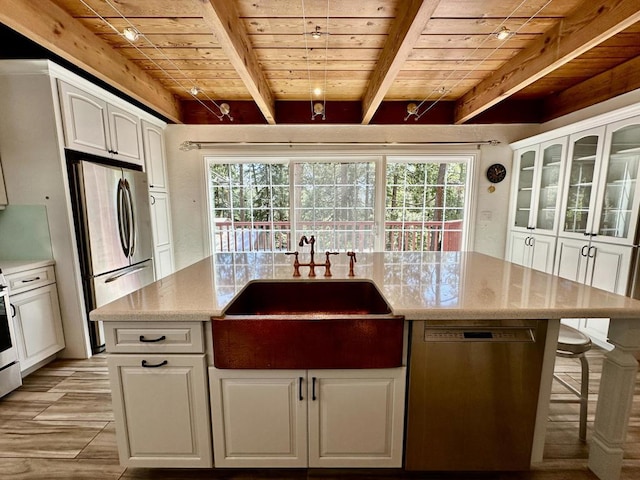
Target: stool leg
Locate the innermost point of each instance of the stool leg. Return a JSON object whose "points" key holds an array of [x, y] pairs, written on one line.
{"points": [[584, 397]]}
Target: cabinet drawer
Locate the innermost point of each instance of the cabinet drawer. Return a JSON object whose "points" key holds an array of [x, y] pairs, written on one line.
{"points": [[160, 337], [29, 279]]}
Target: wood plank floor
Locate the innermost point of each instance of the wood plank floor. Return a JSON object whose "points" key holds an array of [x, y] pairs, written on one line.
{"points": [[59, 425]]}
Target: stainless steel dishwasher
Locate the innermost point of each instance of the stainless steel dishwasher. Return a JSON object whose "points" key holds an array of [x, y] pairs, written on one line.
{"points": [[473, 394]]}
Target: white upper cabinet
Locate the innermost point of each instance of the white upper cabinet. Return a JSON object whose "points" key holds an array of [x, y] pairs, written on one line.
{"points": [[153, 138], [124, 130], [617, 202], [585, 160], [525, 166], [94, 126], [601, 199], [536, 201], [549, 182], [85, 120]]}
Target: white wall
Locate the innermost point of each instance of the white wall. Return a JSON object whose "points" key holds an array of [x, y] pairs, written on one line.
{"points": [[187, 175]]}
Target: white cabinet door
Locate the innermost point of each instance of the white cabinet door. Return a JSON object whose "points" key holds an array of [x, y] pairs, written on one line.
{"points": [[543, 252], [519, 248], [525, 180], [162, 238], [153, 140], [259, 418], [548, 188], [609, 267], [161, 410], [356, 417], [571, 259], [38, 325], [94, 126], [85, 120], [533, 251], [126, 140], [618, 202], [581, 183]]}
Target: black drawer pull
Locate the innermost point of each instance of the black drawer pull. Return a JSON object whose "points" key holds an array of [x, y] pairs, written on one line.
{"points": [[150, 365], [300, 397], [30, 280], [313, 389], [152, 340]]}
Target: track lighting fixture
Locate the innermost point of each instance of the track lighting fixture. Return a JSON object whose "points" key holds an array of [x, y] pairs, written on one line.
{"points": [[412, 109], [225, 109], [316, 34], [131, 34], [318, 109], [504, 33]]}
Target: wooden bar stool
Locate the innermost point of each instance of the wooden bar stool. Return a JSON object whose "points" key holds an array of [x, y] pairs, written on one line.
{"points": [[573, 343]]}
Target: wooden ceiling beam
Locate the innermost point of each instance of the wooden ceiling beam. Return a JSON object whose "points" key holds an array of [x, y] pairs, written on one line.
{"points": [[47, 24], [225, 23], [616, 81], [589, 25], [403, 35]]}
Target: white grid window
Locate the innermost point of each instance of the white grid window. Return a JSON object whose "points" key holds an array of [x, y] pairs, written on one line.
{"points": [[425, 205], [421, 203], [249, 206], [335, 202]]}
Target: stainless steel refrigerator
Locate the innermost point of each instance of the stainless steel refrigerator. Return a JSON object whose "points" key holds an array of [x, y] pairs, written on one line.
{"points": [[113, 228]]}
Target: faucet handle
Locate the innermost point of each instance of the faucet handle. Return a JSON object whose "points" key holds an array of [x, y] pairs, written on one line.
{"points": [[296, 264], [327, 263], [352, 260]]}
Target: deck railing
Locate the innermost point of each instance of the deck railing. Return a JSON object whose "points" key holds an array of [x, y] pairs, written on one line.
{"points": [[399, 236]]}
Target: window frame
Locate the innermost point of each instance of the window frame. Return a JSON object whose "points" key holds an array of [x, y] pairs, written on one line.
{"points": [[380, 160]]}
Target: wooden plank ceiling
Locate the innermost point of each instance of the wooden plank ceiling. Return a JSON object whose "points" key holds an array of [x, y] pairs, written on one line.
{"points": [[372, 58]]}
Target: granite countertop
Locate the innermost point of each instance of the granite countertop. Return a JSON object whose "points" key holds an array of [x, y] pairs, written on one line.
{"points": [[15, 266], [420, 286]]}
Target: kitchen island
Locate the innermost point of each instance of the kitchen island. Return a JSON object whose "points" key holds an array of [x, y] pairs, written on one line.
{"points": [[450, 287]]}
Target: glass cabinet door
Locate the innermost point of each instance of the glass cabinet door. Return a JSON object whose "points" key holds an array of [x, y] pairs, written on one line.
{"points": [[526, 170], [617, 217], [548, 191], [580, 186]]}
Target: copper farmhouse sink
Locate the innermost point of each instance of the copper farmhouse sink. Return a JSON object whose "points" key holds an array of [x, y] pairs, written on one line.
{"points": [[280, 324]]}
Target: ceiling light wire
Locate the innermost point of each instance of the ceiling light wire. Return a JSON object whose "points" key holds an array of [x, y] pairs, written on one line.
{"points": [[433, 103], [187, 89], [193, 90], [326, 65], [317, 108], [306, 48]]}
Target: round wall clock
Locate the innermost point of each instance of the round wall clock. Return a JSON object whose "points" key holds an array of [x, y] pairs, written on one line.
{"points": [[496, 173]]}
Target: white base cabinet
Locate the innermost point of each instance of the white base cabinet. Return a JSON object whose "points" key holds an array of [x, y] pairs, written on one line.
{"points": [[599, 265], [532, 250], [38, 325], [36, 316], [161, 410], [307, 418]]}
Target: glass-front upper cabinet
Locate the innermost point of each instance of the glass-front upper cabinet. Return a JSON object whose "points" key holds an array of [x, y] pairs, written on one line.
{"points": [[618, 200], [526, 161], [585, 157], [552, 158], [539, 170]]}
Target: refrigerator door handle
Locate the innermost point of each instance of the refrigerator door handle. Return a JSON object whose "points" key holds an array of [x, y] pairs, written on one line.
{"points": [[131, 219], [122, 218], [115, 277]]}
